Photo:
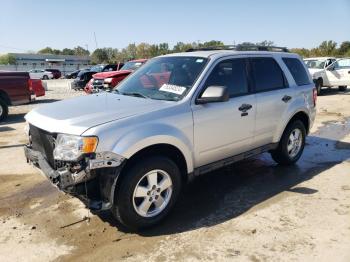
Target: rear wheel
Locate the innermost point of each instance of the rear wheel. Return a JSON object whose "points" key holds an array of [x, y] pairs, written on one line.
{"points": [[291, 145], [45, 77], [343, 88], [319, 86], [147, 192], [3, 109]]}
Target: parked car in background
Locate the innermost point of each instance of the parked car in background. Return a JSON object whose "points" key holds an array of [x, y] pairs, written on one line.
{"points": [[14, 90], [74, 74], [36, 86], [329, 72], [40, 74], [177, 117], [109, 80], [106, 67], [82, 79], [56, 73]]}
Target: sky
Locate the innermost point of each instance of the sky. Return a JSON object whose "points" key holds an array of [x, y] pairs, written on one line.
{"points": [[32, 25]]}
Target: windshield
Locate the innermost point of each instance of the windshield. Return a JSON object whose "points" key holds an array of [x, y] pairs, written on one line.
{"points": [[315, 64], [164, 78], [97, 68], [131, 66]]}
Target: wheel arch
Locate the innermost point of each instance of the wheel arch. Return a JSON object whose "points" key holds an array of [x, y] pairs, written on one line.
{"points": [[163, 149], [5, 97], [299, 115]]}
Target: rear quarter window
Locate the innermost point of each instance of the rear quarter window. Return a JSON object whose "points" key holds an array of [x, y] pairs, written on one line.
{"points": [[297, 70]]}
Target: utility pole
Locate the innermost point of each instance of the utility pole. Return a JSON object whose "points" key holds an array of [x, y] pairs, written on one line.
{"points": [[95, 40]]}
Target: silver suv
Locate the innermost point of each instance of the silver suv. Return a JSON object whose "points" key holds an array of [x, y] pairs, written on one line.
{"points": [[177, 117]]}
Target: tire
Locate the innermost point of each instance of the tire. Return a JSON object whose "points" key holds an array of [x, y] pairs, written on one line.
{"points": [[343, 88], [4, 110], [282, 155], [127, 208], [318, 84], [45, 77]]}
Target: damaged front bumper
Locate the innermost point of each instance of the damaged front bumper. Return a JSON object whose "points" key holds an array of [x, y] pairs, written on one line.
{"points": [[93, 183]]}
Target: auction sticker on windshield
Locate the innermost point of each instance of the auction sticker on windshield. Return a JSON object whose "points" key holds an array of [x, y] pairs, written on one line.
{"points": [[179, 90]]}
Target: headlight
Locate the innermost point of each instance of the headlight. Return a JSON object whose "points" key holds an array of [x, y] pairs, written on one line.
{"points": [[70, 147], [108, 80]]}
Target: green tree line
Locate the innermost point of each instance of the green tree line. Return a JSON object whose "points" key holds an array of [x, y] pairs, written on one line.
{"points": [[145, 50]]}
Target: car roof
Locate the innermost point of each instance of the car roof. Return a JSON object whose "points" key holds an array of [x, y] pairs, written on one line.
{"points": [[319, 58], [223, 53]]}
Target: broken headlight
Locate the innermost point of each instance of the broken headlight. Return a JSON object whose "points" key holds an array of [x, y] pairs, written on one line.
{"points": [[70, 147]]}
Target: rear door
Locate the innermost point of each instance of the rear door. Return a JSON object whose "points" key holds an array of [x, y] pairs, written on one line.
{"points": [[273, 97], [222, 129]]}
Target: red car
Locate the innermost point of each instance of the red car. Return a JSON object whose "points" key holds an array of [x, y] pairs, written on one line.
{"points": [[36, 87], [109, 80], [14, 90]]}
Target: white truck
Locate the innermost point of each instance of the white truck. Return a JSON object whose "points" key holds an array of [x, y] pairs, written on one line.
{"points": [[329, 72]]}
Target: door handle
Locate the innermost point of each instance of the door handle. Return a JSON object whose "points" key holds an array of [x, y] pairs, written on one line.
{"points": [[245, 107], [286, 98]]}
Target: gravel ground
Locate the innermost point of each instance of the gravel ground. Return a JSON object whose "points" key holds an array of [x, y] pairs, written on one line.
{"points": [[251, 211]]}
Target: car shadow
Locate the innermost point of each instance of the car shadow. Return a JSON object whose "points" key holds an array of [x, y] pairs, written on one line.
{"points": [[333, 91], [13, 119], [229, 192], [44, 101]]}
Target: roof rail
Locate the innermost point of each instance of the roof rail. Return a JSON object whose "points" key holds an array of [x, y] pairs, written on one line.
{"points": [[241, 48]]}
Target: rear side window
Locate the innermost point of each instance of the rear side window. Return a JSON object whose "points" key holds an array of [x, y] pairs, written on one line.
{"points": [[267, 74], [297, 70], [232, 74]]}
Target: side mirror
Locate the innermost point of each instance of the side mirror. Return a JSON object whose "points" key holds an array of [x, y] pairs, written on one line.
{"points": [[214, 94], [330, 68]]}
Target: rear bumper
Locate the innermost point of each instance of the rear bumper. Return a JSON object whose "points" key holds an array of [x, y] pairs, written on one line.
{"points": [[95, 188]]}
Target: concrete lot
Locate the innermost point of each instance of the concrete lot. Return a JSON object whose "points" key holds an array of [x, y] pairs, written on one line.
{"points": [[251, 211]]}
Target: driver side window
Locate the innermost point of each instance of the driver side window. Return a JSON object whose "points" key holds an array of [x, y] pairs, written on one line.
{"points": [[232, 74]]}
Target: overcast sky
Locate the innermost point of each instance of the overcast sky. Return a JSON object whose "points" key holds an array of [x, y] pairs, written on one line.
{"points": [[32, 25]]}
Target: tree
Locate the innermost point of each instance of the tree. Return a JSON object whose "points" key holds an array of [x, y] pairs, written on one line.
{"points": [[211, 43], [163, 49], [67, 51], [49, 50], [327, 48], [344, 48], [143, 50], [7, 59], [80, 51], [131, 51], [182, 47], [99, 56], [265, 43]]}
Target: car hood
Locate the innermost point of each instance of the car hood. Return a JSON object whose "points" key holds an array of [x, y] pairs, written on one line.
{"points": [[314, 70], [104, 75], [74, 116]]}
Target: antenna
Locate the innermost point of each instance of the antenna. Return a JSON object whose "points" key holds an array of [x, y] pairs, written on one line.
{"points": [[95, 40]]}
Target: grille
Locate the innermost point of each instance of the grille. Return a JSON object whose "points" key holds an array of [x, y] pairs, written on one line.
{"points": [[44, 142], [98, 83]]}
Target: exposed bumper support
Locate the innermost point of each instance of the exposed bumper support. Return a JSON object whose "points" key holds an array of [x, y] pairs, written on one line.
{"points": [[94, 185]]}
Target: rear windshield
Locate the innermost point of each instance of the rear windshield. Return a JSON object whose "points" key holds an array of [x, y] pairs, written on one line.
{"points": [[297, 70]]}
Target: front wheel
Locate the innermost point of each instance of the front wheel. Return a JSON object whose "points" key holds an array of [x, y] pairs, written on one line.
{"points": [[45, 77], [291, 145], [343, 88], [147, 192], [3, 109]]}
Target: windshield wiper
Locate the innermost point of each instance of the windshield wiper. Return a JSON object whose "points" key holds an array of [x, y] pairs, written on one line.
{"points": [[134, 94]]}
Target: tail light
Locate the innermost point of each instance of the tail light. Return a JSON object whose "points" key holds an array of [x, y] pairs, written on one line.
{"points": [[314, 95], [30, 86]]}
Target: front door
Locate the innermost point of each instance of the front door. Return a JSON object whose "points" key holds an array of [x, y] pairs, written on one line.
{"points": [[339, 73], [225, 129]]}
